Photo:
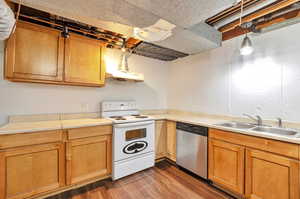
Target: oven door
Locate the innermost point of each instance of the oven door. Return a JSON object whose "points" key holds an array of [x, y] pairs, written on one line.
{"points": [[131, 139]]}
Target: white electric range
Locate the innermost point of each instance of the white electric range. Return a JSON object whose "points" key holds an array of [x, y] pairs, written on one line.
{"points": [[133, 138]]}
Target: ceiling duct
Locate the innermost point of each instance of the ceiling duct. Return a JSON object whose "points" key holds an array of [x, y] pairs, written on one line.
{"points": [[157, 52], [7, 20]]}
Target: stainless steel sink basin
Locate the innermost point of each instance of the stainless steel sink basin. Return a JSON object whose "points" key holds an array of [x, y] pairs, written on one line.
{"points": [[278, 131], [238, 125]]}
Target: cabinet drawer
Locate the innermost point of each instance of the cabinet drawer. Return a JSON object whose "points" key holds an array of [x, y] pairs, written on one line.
{"points": [[278, 147], [89, 132], [25, 139]]}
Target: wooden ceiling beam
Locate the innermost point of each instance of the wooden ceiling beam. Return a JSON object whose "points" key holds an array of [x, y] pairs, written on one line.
{"points": [[132, 42], [231, 11], [240, 31], [260, 13]]}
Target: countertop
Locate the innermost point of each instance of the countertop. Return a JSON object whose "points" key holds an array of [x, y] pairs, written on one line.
{"points": [[212, 123], [27, 127], [203, 120]]}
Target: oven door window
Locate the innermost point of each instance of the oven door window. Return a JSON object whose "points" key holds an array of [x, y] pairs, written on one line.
{"points": [[135, 134]]}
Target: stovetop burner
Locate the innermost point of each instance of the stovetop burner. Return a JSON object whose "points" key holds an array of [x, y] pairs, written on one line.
{"points": [[118, 117], [141, 116]]}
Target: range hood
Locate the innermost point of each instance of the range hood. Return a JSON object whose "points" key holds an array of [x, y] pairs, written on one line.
{"points": [[125, 76], [122, 72]]}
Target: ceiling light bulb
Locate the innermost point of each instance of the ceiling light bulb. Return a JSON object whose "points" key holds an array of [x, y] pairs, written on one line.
{"points": [[246, 47]]}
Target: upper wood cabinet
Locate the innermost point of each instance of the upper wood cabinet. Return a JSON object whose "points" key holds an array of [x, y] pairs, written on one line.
{"points": [[160, 139], [34, 53], [40, 54], [171, 140], [270, 176], [27, 171], [226, 165], [84, 61]]}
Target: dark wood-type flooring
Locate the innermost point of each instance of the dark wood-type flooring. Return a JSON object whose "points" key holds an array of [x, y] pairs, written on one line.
{"points": [[164, 181]]}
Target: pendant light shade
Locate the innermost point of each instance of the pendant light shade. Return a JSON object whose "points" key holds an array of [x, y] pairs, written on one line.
{"points": [[246, 47]]}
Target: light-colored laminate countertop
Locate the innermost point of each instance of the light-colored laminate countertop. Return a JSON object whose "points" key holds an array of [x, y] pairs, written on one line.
{"points": [[212, 123], [28, 127], [207, 121]]}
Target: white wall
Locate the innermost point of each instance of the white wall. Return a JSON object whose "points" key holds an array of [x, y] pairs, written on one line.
{"points": [[26, 98], [221, 81]]}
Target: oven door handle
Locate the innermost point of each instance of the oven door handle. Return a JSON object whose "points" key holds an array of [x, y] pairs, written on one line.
{"points": [[133, 124]]}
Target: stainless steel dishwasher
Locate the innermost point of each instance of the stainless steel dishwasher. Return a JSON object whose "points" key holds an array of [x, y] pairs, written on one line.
{"points": [[191, 151]]}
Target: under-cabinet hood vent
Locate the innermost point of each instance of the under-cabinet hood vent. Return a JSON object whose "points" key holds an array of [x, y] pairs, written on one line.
{"points": [[125, 76]]}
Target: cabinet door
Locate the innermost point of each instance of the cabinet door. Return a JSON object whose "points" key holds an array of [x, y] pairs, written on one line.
{"points": [[27, 171], [171, 140], [88, 158], [160, 139], [270, 176], [34, 53], [226, 165], [84, 62]]}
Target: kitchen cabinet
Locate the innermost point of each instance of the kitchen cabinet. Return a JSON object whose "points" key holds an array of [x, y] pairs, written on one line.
{"points": [[40, 54], [171, 140], [84, 61], [226, 165], [88, 157], [34, 53], [160, 139], [30, 170], [270, 167], [270, 176]]}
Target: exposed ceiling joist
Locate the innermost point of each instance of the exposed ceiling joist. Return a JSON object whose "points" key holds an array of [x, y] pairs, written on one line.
{"points": [[260, 13], [231, 11], [263, 24]]}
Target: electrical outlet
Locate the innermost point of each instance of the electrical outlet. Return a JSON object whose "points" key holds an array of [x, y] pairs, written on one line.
{"points": [[84, 107]]}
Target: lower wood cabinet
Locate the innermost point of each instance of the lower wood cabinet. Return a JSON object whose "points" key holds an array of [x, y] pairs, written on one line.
{"points": [[30, 170], [252, 167], [226, 165], [171, 140], [160, 139], [88, 158], [270, 176]]}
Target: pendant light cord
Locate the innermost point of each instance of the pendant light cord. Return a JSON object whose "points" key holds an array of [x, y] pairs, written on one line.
{"points": [[242, 11], [241, 16]]}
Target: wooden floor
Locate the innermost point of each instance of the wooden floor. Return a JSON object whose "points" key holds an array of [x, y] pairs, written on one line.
{"points": [[164, 181]]}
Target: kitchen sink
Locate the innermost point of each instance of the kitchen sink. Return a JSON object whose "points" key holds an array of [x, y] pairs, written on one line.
{"points": [[262, 129], [238, 125], [278, 131]]}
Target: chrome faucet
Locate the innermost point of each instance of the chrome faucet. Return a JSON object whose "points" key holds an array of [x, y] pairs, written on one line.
{"points": [[279, 122], [257, 118]]}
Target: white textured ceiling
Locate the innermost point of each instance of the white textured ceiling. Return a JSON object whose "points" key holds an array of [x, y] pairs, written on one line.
{"points": [[121, 15], [184, 13], [140, 13]]}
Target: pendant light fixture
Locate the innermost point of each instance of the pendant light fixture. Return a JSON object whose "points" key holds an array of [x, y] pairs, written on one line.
{"points": [[123, 64], [246, 47]]}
